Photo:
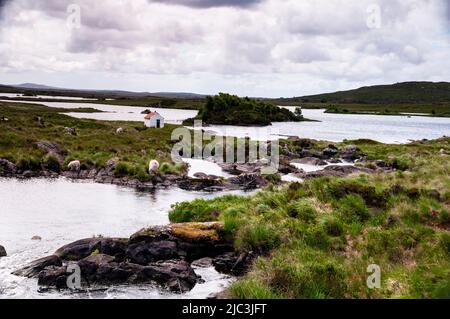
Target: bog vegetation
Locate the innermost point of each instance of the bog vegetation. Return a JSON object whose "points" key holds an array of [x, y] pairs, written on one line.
{"points": [[316, 240]]}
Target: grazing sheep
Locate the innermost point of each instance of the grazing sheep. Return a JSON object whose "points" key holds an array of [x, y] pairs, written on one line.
{"points": [[74, 166], [119, 130], [153, 166]]}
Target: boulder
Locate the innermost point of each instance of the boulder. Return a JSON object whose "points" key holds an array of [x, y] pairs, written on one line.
{"points": [[52, 149], [85, 247], [34, 268], [338, 171], [7, 168], [157, 254], [143, 253], [2, 251], [249, 181], [53, 276], [203, 262], [70, 131], [330, 152], [349, 153], [194, 184], [233, 264]]}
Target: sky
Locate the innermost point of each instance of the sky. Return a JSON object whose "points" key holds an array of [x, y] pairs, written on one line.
{"points": [[259, 48]]}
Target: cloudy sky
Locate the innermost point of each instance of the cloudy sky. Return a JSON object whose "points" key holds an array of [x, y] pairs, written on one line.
{"points": [[266, 48]]}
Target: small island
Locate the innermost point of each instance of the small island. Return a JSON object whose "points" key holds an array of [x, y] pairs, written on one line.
{"points": [[226, 109]]}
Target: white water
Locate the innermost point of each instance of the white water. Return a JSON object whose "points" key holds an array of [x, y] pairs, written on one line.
{"points": [[61, 211], [204, 166]]}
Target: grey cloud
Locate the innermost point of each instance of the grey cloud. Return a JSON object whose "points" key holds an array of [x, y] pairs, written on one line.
{"points": [[211, 3]]}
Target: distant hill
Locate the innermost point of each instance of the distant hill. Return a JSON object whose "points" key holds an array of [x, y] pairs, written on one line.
{"points": [[40, 89], [400, 93], [35, 86]]}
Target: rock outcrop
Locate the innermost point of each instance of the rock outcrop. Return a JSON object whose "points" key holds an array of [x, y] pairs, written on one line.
{"points": [[2, 251], [161, 255]]}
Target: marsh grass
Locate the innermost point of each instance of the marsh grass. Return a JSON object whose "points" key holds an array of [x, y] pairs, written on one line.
{"points": [[316, 239]]}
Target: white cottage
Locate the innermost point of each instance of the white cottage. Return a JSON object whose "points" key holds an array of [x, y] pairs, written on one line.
{"points": [[154, 119]]}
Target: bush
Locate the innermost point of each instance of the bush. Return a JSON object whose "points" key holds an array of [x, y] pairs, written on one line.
{"points": [[353, 208], [52, 163], [258, 237], [303, 211], [122, 169], [30, 163]]}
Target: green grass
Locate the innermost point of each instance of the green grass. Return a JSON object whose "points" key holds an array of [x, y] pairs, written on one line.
{"points": [[316, 240], [95, 144], [410, 97]]}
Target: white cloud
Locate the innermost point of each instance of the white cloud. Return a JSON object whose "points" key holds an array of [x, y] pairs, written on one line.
{"points": [[257, 48]]}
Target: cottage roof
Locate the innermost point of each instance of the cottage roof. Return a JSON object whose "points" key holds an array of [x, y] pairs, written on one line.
{"points": [[151, 115]]}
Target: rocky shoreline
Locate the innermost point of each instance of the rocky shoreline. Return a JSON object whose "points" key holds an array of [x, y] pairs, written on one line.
{"points": [[162, 255], [246, 176]]}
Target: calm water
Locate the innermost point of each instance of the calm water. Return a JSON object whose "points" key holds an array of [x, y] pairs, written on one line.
{"points": [[120, 113], [337, 127], [331, 127], [61, 211], [49, 97]]}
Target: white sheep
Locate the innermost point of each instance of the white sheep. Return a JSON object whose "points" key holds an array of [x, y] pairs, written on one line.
{"points": [[74, 166], [119, 130], [153, 166]]}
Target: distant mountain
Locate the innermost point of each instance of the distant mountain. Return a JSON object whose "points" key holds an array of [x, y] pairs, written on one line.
{"points": [[399, 93], [34, 88]]}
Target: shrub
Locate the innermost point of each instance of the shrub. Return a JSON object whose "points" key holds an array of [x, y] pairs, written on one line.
{"points": [[30, 163], [52, 163], [253, 289], [258, 237], [122, 169], [303, 211], [353, 208]]}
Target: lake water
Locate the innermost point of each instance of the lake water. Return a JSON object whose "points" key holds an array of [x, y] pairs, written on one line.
{"points": [[119, 113], [49, 97], [330, 127], [338, 127], [61, 211]]}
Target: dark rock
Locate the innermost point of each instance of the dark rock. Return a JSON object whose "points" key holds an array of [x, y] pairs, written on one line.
{"points": [[2, 251], [91, 264], [203, 262], [330, 152], [201, 175], [146, 252], [287, 169], [7, 168], [338, 171], [391, 220], [52, 149], [79, 249], [349, 153], [249, 181], [33, 269], [85, 247], [70, 131], [29, 174], [335, 161], [231, 263], [382, 164], [53, 276], [191, 184]]}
